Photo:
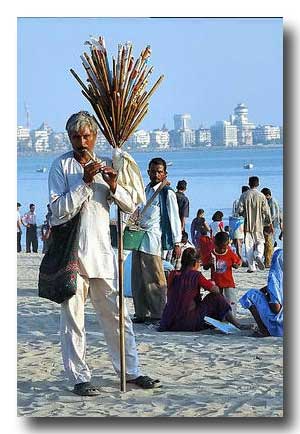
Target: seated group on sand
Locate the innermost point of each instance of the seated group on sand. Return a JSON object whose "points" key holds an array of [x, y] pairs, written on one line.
{"points": [[186, 307]]}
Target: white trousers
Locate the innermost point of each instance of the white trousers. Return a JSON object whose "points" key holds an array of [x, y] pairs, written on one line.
{"points": [[104, 297], [254, 246]]}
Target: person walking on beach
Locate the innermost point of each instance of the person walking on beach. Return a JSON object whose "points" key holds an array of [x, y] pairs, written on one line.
{"points": [[79, 186], [29, 220], [276, 214], [162, 227], [183, 202], [236, 223], [254, 208], [19, 228]]}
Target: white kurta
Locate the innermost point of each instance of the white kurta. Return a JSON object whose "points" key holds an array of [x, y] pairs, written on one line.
{"points": [[68, 195]]}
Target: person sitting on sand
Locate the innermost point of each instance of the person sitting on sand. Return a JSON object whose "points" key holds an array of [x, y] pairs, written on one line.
{"points": [[221, 261], [184, 244], [266, 304], [185, 309]]}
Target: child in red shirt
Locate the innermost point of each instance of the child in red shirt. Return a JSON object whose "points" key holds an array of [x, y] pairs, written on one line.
{"points": [[221, 261]]}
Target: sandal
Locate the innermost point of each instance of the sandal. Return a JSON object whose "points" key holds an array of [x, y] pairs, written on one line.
{"points": [[145, 382], [86, 389]]}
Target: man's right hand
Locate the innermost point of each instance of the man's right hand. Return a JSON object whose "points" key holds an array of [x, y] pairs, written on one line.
{"points": [[90, 170]]}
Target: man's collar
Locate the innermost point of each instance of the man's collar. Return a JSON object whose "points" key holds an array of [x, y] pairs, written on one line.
{"points": [[155, 187]]}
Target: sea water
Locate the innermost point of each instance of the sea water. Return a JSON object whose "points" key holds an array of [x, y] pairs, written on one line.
{"points": [[214, 177]]}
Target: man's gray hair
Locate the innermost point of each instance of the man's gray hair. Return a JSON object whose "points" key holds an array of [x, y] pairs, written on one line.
{"points": [[79, 120]]}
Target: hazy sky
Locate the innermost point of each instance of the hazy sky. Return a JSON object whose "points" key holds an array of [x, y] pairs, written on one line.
{"points": [[210, 65]]}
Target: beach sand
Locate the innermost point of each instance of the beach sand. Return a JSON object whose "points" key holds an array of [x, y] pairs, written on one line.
{"points": [[204, 374]]}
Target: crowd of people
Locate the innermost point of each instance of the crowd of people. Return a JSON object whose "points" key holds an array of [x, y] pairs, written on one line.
{"points": [[29, 220], [253, 227], [81, 187]]}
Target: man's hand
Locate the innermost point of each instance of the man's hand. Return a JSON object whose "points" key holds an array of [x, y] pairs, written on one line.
{"points": [[177, 251], [110, 177], [90, 170]]}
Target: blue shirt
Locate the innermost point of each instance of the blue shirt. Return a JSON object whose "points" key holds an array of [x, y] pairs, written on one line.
{"points": [[151, 222]]}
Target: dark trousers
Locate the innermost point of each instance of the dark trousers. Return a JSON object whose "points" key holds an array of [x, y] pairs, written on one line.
{"points": [[19, 242], [31, 239]]}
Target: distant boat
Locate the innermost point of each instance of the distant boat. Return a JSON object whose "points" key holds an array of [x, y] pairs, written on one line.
{"points": [[42, 169], [169, 163], [248, 166]]}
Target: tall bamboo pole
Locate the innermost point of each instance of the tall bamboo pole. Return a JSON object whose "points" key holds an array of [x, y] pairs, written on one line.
{"points": [[121, 301]]}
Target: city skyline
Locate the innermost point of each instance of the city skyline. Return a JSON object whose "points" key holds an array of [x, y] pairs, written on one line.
{"points": [[238, 130], [208, 69]]}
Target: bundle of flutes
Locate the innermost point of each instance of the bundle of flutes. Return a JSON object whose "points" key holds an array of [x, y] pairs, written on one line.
{"points": [[117, 95]]}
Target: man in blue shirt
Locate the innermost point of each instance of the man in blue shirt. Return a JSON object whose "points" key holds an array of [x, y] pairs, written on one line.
{"points": [[162, 227]]}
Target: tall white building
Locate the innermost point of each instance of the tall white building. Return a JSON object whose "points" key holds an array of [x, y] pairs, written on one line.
{"points": [[182, 136], [244, 127], [182, 122], [223, 133]]}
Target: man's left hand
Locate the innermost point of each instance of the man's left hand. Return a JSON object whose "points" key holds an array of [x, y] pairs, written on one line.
{"points": [[110, 177]]}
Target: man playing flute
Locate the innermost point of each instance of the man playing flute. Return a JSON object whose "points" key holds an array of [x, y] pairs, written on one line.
{"points": [[78, 184]]}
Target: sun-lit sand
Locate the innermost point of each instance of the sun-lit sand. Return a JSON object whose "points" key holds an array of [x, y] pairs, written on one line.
{"points": [[204, 374]]}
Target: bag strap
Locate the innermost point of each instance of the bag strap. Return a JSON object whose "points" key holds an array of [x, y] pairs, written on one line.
{"points": [[149, 202]]}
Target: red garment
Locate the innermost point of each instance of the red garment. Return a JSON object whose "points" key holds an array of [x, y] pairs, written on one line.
{"points": [[221, 270], [205, 246], [185, 310]]}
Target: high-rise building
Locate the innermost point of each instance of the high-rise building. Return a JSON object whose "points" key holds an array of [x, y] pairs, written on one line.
{"points": [[182, 136], [244, 127], [223, 134], [182, 122]]}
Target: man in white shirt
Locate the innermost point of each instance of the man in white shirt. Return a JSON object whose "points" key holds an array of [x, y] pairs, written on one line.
{"points": [[162, 226], [254, 208], [77, 184], [29, 220]]}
